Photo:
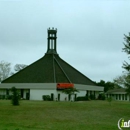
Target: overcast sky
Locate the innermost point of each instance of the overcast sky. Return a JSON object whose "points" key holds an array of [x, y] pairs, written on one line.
{"points": [[90, 33]]}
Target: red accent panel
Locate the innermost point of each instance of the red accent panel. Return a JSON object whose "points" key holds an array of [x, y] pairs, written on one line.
{"points": [[65, 85]]}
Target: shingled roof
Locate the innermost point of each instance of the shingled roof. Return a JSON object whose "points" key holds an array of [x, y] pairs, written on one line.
{"points": [[50, 69], [119, 90]]}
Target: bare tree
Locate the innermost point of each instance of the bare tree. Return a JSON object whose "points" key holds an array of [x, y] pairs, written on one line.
{"points": [[19, 67], [121, 80], [5, 70]]}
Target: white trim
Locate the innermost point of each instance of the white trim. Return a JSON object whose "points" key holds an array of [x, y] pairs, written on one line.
{"points": [[29, 85], [88, 87], [48, 86]]}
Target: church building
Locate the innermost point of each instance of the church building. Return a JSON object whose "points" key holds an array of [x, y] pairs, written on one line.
{"points": [[49, 76]]}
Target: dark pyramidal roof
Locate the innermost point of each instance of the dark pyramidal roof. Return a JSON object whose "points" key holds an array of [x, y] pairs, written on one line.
{"points": [[50, 68]]}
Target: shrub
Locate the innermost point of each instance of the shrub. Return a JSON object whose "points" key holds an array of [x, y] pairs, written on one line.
{"points": [[92, 97], [46, 98], [52, 96], [8, 97], [109, 99], [101, 96], [2, 96], [15, 96], [82, 98]]}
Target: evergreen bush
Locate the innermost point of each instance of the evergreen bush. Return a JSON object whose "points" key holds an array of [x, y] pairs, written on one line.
{"points": [[92, 97], [46, 98], [15, 96], [101, 96], [82, 98]]}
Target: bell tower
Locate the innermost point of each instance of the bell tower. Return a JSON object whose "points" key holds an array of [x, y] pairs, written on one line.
{"points": [[51, 47]]}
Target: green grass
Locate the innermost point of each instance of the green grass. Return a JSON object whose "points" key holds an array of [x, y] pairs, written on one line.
{"points": [[39, 115]]}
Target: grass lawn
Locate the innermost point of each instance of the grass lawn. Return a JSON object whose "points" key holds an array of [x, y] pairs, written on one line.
{"points": [[39, 115]]}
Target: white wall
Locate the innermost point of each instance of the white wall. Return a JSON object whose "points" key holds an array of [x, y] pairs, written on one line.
{"points": [[62, 96], [96, 94], [81, 93], [128, 98], [36, 94]]}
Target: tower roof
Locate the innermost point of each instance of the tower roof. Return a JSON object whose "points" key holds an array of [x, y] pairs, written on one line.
{"points": [[50, 68]]}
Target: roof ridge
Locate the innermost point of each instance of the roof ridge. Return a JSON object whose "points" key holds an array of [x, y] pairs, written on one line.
{"points": [[54, 70], [62, 69], [77, 70]]}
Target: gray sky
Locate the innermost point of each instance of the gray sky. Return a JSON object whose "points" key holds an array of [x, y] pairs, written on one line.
{"points": [[90, 33]]}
